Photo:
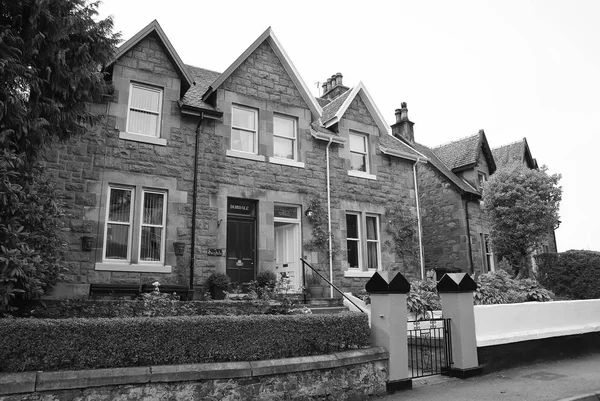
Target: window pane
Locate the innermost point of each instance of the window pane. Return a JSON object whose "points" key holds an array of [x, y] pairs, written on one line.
{"points": [[119, 205], [151, 245], [352, 250], [243, 118], [358, 162], [153, 208], [145, 99], [283, 148], [242, 140], [117, 238], [283, 127], [372, 255], [351, 226], [141, 122], [358, 143], [372, 228]]}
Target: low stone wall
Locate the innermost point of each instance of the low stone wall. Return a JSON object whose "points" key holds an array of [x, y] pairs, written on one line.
{"points": [[350, 375], [509, 323]]}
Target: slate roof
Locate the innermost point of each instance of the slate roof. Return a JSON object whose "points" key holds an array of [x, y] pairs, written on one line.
{"points": [[460, 153], [390, 142], [436, 162], [319, 128], [514, 152], [203, 79], [332, 108], [322, 101]]}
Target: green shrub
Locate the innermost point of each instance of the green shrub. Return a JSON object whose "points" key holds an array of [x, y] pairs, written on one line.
{"points": [[218, 280], [146, 341], [572, 274], [423, 298], [499, 288]]}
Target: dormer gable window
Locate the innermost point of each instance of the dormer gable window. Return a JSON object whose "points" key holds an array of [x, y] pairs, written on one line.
{"points": [[144, 111]]}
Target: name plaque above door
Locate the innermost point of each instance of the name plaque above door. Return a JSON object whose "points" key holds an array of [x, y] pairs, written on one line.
{"points": [[286, 212], [242, 207]]}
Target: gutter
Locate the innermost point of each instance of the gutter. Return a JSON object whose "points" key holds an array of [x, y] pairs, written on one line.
{"points": [[329, 220], [421, 254], [194, 205], [402, 155], [325, 137]]}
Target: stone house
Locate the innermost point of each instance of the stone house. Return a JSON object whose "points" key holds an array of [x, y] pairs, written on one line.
{"points": [[193, 172], [455, 233]]}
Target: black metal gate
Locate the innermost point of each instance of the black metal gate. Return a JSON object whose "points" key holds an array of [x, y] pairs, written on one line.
{"points": [[429, 349]]}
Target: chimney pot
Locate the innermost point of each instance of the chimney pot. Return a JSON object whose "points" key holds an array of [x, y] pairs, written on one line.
{"points": [[333, 82], [398, 111], [338, 78], [328, 84], [403, 112]]}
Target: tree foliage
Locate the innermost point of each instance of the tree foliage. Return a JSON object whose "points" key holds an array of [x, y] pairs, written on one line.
{"points": [[53, 53], [521, 205], [51, 69], [573, 274]]}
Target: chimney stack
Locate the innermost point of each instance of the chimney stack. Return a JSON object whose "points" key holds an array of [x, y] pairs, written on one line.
{"points": [[403, 128], [333, 87]]}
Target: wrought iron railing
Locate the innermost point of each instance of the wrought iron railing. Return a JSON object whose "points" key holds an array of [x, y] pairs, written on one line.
{"points": [[305, 263], [429, 347]]}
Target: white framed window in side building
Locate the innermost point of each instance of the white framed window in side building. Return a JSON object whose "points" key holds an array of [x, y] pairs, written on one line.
{"points": [[363, 246], [284, 138], [134, 238], [144, 110], [489, 253], [481, 179], [244, 129], [359, 153]]}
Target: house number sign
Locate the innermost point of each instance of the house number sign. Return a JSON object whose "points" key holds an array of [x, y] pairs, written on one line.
{"points": [[214, 252]]}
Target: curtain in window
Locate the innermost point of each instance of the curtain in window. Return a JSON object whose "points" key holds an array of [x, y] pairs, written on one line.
{"points": [[372, 243], [118, 225], [144, 111], [152, 227]]}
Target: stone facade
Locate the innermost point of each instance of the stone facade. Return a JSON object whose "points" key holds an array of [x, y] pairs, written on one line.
{"points": [[110, 156]]}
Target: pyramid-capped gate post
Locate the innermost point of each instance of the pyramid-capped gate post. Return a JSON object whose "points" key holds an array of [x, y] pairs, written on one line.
{"points": [[388, 324], [456, 292]]}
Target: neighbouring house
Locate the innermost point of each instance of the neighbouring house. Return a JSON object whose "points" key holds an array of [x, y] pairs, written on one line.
{"points": [[455, 234], [193, 172]]}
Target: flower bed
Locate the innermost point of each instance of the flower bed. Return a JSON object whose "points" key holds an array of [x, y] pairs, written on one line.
{"points": [[72, 344]]}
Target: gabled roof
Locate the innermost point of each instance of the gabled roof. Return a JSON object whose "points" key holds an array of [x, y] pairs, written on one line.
{"points": [[514, 152], [463, 153], [462, 186], [154, 27], [390, 145], [336, 113], [269, 36], [331, 108]]}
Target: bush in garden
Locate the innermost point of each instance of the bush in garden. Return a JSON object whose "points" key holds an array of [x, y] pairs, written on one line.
{"points": [[499, 288], [147, 341], [423, 298], [573, 274]]}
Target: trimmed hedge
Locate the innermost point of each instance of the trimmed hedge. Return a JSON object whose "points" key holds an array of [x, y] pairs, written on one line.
{"points": [[572, 274], [72, 344]]}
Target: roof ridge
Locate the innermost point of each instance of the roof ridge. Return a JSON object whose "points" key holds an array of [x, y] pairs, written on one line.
{"points": [[509, 144], [455, 140]]}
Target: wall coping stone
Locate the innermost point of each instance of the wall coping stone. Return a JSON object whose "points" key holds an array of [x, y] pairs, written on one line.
{"points": [[26, 382]]}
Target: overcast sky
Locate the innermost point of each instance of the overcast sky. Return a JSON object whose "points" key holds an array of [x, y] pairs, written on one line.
{"points": [[513, 68]]}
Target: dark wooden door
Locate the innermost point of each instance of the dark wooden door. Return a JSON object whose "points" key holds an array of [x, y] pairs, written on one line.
{"points": [[241, 250]]}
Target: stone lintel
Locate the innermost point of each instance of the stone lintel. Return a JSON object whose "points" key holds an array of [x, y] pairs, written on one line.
{"points": [[456, 282]]}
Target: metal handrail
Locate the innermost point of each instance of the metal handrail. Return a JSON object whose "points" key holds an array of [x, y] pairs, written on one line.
{"points": [[305, 263]]}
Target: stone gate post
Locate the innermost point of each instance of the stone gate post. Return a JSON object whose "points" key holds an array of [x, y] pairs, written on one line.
{"points": [[456, 292], [388, 325]]}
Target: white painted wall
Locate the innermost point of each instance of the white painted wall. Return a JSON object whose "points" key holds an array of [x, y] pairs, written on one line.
{"points": [[502, 324]]}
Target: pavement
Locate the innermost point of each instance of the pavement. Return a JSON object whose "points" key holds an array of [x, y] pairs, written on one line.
{"points": [[568, 379]]}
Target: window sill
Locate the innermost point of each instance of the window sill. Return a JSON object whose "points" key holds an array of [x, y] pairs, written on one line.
{"points": [[286, 162], [362, 174], [143, 138], [139, 268], [359, 273], [245, 155]]}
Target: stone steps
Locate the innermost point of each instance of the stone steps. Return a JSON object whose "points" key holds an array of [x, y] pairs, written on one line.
{"points": [[327, 310]]}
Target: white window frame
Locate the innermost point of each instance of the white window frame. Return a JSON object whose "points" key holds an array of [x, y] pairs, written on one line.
{"points": [[481, 182], [489, 253], [163, 226], [254, 131], [358, 240], [294, 139], [130, 223], [158, 113], [377, 241], [365, 138], [134, 262]]}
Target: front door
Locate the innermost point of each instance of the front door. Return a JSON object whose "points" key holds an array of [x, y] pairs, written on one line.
{"points": [[287, 245], [241, 240]]}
